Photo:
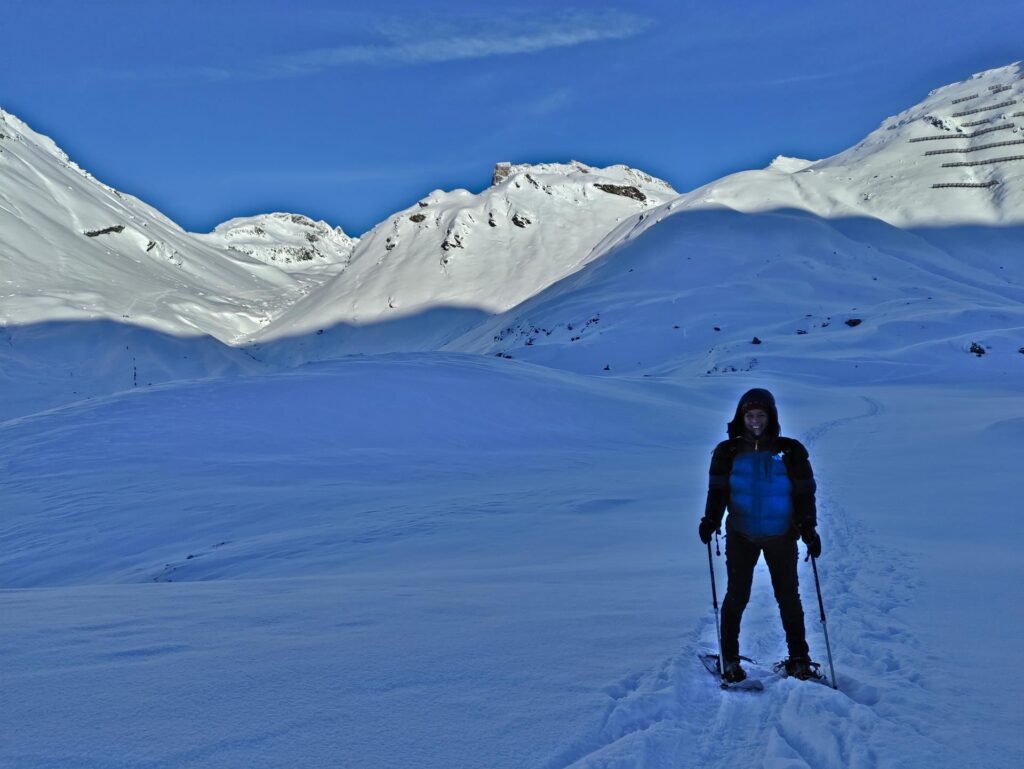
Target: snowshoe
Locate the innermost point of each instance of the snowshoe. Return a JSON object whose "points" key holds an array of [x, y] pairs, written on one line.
{"points": [[799, 667], [710, 662]]}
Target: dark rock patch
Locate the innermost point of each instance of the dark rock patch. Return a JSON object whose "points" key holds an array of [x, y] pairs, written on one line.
{"points": [[501, 172], [626, 191], [104, 231]]}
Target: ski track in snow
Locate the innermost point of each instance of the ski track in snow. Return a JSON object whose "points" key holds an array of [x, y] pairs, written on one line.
{"points": [[676, 715]]}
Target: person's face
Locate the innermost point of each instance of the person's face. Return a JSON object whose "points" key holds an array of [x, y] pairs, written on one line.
{"points": [[756, 420]]}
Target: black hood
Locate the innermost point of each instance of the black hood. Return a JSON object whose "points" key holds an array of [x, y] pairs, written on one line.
{"points": [[765, 400]]}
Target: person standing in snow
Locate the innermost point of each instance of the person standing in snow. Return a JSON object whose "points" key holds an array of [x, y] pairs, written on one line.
{"points": [[766, 483]]}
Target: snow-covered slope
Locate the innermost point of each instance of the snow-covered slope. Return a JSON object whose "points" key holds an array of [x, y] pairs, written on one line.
{"points": [[857, 258], [710, 290], [956, 158], [72, 248], [432, 270], [485, 252]]}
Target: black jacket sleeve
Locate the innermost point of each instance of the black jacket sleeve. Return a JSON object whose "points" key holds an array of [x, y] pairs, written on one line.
{"points": [[718, 483], [798, 466]]}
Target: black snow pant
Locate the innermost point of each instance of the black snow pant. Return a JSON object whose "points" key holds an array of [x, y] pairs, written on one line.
{"points": [[781, 555]]}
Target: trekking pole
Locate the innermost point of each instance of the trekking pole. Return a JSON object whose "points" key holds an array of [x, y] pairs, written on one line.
{"points": [[821, 607], [714, 600]]}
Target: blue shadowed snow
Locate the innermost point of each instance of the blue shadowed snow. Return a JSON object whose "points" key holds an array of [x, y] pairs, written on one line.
{"points": [[459, 561]]}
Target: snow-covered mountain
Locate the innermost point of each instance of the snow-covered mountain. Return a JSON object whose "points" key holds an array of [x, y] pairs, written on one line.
{"points": [[480, 253], [869, 253], [911, 235], [915, 228], [73, 248], [955, 158]]}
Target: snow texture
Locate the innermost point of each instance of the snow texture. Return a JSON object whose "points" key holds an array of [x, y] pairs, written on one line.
{"points": [[229, 540]]}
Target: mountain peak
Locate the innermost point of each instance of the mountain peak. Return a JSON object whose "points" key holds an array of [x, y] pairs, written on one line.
{"points": [[286, 240], [575, 170], [788, 165]]}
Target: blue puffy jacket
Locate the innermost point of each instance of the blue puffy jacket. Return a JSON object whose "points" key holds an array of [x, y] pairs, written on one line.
{"points": [[760, 502], [767, 485]]}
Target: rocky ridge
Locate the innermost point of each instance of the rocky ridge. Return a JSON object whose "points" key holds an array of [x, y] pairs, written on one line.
{"points": [[288, 241]]}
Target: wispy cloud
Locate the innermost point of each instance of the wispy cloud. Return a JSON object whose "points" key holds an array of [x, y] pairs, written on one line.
{"points": [[410, 44], [479, 42]]}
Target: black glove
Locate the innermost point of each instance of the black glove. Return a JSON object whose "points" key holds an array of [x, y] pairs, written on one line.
{"points": [[707, 528], [812, 540]]}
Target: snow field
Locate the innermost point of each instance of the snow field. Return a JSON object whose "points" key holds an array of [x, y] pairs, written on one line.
{"points": [[343, 430], [690, 290], [455, 561]]}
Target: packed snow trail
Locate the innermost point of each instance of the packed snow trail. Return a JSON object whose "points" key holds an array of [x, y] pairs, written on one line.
{"points": [[888, 712], [676, 715]]}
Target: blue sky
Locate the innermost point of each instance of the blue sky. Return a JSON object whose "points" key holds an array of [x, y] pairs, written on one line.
{"points": [[209, 110]]}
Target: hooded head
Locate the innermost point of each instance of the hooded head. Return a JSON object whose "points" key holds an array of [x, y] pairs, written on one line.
{"points": [[755, 399]]}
